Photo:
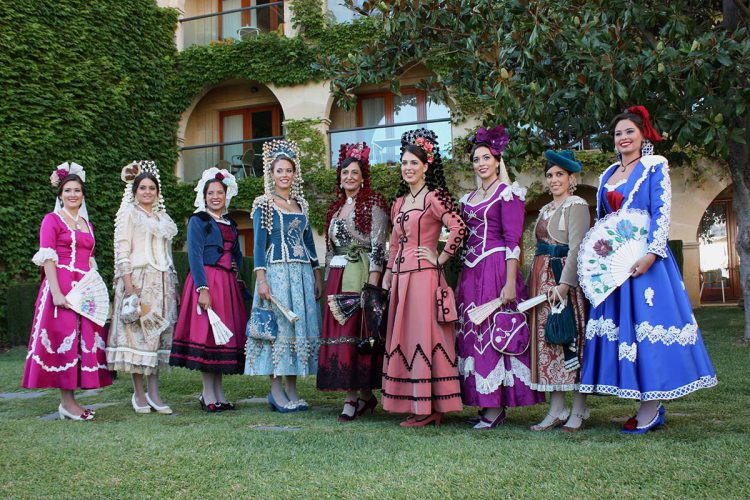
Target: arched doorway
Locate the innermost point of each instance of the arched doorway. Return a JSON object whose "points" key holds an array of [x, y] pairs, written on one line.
{"points": [[719, 261], [227, 127]]}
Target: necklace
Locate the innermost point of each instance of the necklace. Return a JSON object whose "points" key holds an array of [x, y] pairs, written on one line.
{"points": [[414, 196], [149, 213], [623, 167], [287, 200], [74, 219], [485, 190], [217, 217], [350, 199]]}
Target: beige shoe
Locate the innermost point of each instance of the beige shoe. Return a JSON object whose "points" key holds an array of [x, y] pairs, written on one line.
{"points": [[139, 409], [582, 416], [559, 419], [163, 409]]}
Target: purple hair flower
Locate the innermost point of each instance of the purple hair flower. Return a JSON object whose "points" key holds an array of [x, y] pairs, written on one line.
{"points": [[497, 138]]}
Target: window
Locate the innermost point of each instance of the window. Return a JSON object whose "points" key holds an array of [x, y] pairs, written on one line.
{"points": [[266, 19], [246, 124], [341, 13]]}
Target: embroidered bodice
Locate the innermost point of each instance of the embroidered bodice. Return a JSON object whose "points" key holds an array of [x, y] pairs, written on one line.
{"points": [[290, 239], [143, 241], [421, 227], [495, 224], [648, 188], [69, 248], [343, 233]]}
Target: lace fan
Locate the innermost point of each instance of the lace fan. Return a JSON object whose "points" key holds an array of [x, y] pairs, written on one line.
{"points": [[222, 334], [290, 315], [609, 250], [343, 306], [89, 298]]}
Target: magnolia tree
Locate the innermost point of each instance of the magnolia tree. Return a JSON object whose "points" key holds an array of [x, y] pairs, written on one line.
{"points": [[556, 72]]}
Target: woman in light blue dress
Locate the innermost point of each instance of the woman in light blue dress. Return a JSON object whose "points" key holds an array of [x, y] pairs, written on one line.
{"points": [[643, 342], [278, 344]]}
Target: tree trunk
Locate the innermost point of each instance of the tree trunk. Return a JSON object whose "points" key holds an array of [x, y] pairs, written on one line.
{"points": [[739, 167]]}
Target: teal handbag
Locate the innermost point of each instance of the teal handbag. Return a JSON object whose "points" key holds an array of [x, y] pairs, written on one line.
{"points": [[560, 328]]}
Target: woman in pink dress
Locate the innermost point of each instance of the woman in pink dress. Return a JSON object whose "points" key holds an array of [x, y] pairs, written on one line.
{"points": [[66, 350], [420, 374], [214, 255]]}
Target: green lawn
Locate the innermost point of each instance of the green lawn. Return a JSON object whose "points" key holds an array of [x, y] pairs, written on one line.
{"points": [[703, 451]]}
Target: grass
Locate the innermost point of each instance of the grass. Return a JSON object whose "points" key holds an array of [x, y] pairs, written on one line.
{"points": [[702, 452]]}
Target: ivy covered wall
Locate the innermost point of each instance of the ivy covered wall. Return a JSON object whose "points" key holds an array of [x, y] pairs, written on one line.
{"points": [[83, 81]]}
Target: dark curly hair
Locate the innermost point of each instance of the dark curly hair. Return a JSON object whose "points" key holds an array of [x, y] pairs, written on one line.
{"points": [[366, 199]]}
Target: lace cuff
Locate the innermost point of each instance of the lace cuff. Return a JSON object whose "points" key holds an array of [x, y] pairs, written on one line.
{"points": [[43, 255], [513, 254], [201, 288], [123, 267]]}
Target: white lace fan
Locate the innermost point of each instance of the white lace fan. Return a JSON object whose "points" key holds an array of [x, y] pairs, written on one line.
{"points": [[89, 298], [222, 334], [480, 313], [609, 250], [290, 315]]}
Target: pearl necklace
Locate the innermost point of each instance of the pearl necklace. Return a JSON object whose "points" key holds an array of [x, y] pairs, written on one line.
{"points": [[350, 199], [74, 219]]}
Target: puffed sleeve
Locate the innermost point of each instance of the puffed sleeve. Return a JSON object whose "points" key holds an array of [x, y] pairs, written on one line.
{"points": [[196, 242], [393, 245], [307, 236], [260, 240], [450, 219], [378, 237], [47, 241], [660, 207], [512, 213], [579, 222], [124, 244]]}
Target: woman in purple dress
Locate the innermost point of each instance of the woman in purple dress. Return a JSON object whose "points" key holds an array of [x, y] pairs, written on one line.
{"points": [[494, 217]]}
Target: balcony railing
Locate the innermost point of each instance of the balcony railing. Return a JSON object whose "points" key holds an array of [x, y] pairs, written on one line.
{"points": [[236, 24], [242, 158], [385, 140]]}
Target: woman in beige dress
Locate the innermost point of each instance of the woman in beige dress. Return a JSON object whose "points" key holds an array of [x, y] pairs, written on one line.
{"points": [[561, 226], [145, 307]]}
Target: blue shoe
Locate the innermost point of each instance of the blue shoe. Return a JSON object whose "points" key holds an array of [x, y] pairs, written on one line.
{"points": [[631, 426], [277, 407]]}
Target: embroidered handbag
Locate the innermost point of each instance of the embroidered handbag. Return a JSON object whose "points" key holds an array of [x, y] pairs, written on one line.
{"points": [[445, 300], [262, 324], [509, 332], [130, 310], [560, 328]]}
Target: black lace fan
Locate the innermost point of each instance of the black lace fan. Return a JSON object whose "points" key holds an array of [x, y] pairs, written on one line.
{"points": [[375, 303], [343, 306]]}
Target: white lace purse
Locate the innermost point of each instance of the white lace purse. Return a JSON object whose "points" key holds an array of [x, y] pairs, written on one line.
{"points": [[131, 309]]}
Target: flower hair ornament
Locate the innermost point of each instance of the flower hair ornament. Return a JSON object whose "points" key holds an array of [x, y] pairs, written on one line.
{"points": [[65, 169], [650, 135], [272, 151], [425, 139], [223, 176], [61, 172], [360, 151]]}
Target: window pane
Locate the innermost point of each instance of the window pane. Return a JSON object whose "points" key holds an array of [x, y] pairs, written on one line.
{"points": [[233, 131], [405, 108], [230, 23], [373, 111], [340, 12], [437, 110]]}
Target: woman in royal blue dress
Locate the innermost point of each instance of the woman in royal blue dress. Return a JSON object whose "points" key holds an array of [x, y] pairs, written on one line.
{"points": [[643, 342]]}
